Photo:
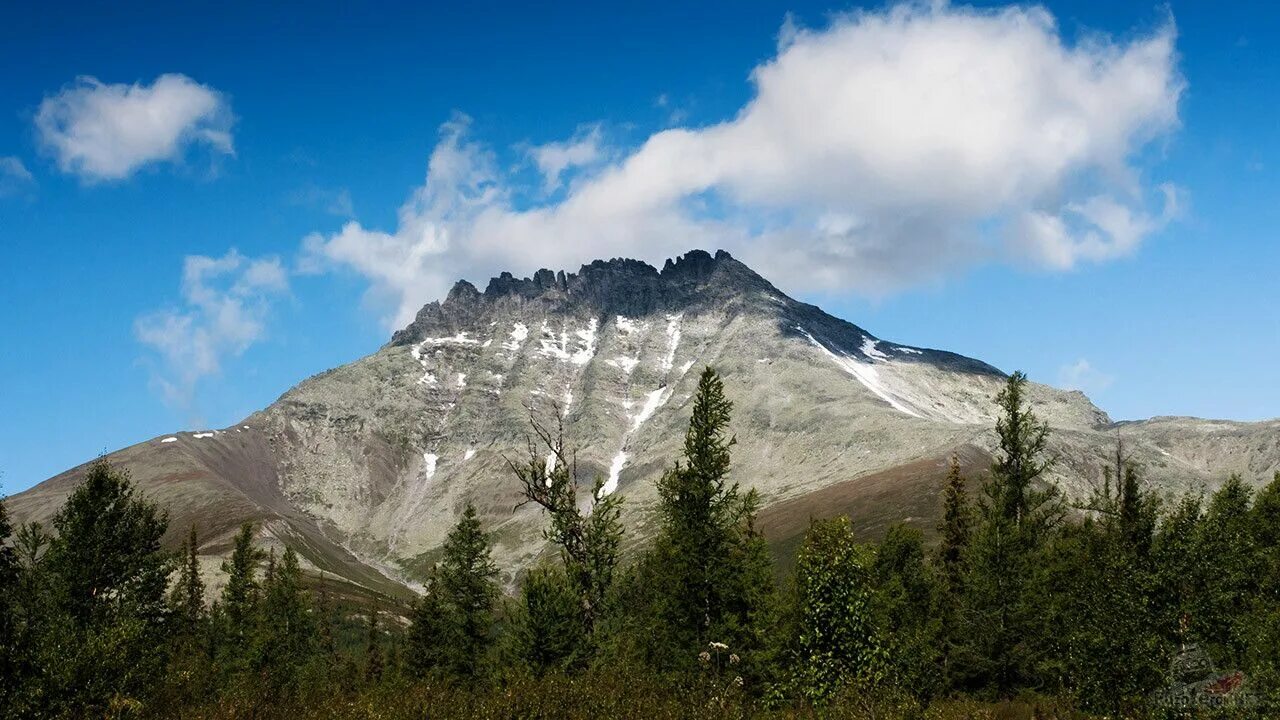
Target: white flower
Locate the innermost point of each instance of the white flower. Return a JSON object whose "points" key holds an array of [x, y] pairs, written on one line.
{"points": [[719, 646]]}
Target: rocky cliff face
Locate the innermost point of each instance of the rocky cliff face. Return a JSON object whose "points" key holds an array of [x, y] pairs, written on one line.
{"points": [[369, 464]]}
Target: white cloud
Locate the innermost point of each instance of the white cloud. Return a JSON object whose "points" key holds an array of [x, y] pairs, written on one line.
{"points": [[14, 176], [1082, 375], [225, 302], [106, 132], [887, 149], [554, 159]]}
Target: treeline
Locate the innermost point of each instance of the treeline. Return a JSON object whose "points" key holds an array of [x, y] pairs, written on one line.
{"points": [[1119, 605]]}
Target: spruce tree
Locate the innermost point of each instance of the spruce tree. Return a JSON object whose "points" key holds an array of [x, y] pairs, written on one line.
{"points": [[1179, 575], [288, 635], [1262, 654], [955, 531], [324, 620], [1016, 513], [1230, 571], [701, 594], [107, 577], [239, 602], [8, 624], [373, 660], [467, 579], [186, 598], [452, 622], [434, 631], [1107, 649], [549, 632]]}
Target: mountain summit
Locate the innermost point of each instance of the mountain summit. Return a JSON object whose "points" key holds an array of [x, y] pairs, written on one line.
{"points": [[364, 468]]}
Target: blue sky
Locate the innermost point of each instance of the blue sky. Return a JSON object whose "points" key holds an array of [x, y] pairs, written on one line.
{"points": [[1142, 268]]}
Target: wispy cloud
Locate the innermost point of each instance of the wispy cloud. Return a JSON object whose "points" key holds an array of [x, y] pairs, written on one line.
{"points": [[556, 158], [15, 178], [1082, 375], [225, 303], [335, 202], [887, 149], [102, 131]]}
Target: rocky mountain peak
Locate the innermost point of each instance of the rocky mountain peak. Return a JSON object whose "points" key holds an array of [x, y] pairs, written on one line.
{"points": [[621, 286]]}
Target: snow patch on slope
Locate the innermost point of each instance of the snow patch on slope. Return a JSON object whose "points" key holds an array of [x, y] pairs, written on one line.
{"points": [[652, 402], [870, 350], [615, 469], [566, 348], [863, 372], [673, 341], [627, 326], [519, 332]]}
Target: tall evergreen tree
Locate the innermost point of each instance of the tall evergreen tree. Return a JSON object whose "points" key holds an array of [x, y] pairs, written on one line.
{"points": [[1179, 576], [1229, 573], [186, 598], [548, 630], [1016, 514], [107, 576], [238, 606], [434, 631], [8, 624], [700, 591], [289, 634], [955, 528], [1262, 660], [374, 663], [1107, 649], [453, 621], [955, 531]]}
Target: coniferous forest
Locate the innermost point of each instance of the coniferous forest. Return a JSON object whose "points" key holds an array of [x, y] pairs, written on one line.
{"points": [[1027, 604]]}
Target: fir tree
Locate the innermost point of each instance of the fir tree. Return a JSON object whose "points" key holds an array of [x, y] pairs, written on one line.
{"points": [[239, 602], [453, 621], [548, 631], [373, 661], [107, 575], [288, 635], [186, 598], [8, 592], [699, 590], [1016, 514], [954, 529]]}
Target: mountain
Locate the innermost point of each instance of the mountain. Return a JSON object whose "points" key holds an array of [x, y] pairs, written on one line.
{"points": [[364, 468]]}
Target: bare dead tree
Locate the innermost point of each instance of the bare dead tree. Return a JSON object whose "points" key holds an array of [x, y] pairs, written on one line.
{"points": [[589, 541]]}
